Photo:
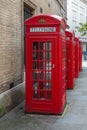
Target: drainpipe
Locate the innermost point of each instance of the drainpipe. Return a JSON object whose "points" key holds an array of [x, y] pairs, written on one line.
{"points": [[22, 38]]}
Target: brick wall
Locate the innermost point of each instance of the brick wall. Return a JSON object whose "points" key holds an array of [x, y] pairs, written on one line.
{"points": [[10, 43], [11, 37], [50, 6]]}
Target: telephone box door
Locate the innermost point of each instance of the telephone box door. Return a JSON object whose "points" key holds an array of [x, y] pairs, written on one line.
{"points": [[40, 75]]}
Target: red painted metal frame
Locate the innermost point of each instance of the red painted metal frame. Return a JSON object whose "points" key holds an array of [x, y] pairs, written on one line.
{"points": [[80, 55], [76, 57], [58, 101], [70, 59]]}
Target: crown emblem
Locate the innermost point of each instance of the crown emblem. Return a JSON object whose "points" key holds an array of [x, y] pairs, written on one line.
{"points": [[42, 21]]}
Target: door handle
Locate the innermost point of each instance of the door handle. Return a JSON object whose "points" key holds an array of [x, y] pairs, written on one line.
{"points": [[53, 66]]}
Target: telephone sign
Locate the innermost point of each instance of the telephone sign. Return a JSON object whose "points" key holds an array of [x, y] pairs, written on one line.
{"points": [[43, 29]]}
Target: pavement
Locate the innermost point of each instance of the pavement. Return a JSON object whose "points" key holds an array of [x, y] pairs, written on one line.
{"points": [[73, 118]]}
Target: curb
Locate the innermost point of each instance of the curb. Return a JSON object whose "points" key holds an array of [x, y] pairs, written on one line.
{"points": [[11, 98]]}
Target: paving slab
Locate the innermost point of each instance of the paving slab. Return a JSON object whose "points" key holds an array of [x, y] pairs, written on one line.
{"points": [[74, 118]]}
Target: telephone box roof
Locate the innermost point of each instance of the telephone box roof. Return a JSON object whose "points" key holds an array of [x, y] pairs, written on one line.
{"points": [[45, 19], [76, 38], [69, 32]]}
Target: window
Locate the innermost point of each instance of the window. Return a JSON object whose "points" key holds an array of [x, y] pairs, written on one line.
{"points": [[41, 10], [42, 70], [28, 12], [49, 5]]}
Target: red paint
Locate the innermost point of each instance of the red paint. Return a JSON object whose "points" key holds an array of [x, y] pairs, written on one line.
{"points": [[80, 55], [76, 57], [70, 59], [45, 64]]}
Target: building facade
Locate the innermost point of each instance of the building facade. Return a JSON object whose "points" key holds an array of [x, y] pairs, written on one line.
{"points": [[13, 13], [77, 13], [10, 44], [12, 16]]}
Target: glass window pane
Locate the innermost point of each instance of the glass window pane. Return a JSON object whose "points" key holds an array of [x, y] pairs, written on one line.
{"points": [[48, 75], [42, 65], [35, 45], [42, 76], [48, 55], [35, 91], [48, 65], [48, 85], [42, 55], [35, 94], [35, 65], [35, 55], [35, 75], [42, 46], [35, 85], [48, 46]]}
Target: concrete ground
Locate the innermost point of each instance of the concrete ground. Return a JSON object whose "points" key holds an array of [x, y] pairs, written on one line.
{"points": [[73, 118]]}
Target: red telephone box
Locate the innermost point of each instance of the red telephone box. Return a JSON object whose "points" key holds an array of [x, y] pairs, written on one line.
{"points": [[70, 59], [76, 57], [80, 55], [45, 64]]}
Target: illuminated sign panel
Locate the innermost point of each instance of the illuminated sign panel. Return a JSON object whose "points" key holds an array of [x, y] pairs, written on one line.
{"points": [[43, 29]]}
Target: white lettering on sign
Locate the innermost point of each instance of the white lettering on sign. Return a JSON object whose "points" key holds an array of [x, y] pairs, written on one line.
{"points": [[43, 29]]}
